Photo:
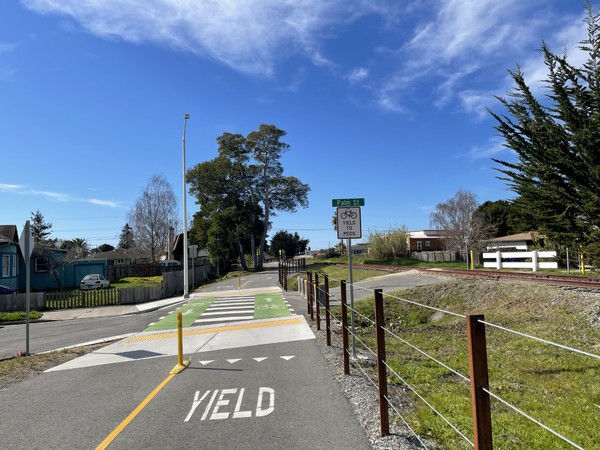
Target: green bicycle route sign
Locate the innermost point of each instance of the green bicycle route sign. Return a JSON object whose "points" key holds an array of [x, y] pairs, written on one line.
{"points": [[347, 202]]}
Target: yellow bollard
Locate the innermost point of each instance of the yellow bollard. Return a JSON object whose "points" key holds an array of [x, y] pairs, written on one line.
{"points": [[239, 281], [472, 261], [181, 364]]}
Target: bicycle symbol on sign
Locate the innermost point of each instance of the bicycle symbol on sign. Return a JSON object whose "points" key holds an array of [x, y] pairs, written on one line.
{"points": [[348, 214]]}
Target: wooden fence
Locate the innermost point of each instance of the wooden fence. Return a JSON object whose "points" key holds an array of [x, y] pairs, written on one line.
{"points": [[16, 302], [81, 299], [172, 285]]}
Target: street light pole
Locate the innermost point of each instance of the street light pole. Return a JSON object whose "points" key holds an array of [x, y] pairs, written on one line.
{"points": [[186, 292]]}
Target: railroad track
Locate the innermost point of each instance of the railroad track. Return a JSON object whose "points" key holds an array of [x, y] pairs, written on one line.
{"points": [[556, 280]]}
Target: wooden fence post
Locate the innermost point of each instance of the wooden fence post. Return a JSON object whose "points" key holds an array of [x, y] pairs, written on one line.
{"points": [[384, 419], [317, 296], [327, 315], [345, 329], [480, 400]]}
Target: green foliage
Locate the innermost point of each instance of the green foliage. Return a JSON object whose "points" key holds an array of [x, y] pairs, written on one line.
{"points": [[19, 315], [126, 237], [40, 229], [556, 140], [506, 217], [289, 244], [388, 244], [239, 190]]}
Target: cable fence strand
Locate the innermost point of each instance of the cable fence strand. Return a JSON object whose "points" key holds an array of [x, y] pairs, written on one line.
{"points": [[537, 422], [364, 345], [426, 306], [372, 322], [389, 401], [428, 356], [564, 347], [357, 364], [450, 424]]}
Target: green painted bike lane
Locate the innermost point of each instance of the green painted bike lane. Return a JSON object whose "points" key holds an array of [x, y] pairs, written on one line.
{"points": [[266, 305]]}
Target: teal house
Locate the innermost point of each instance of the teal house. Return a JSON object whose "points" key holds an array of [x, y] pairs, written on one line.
{"points": [[48, 270]]}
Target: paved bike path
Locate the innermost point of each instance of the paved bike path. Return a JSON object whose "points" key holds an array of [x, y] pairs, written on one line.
{"points": [[255, 384]]}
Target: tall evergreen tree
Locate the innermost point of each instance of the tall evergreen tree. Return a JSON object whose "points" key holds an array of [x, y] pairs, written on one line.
{"points": [[126, 238], [40, 229], [557, 142]]}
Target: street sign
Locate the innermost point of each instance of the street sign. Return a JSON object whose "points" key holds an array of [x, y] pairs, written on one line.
{"points": [[26, 242], [348, 223], [349, 202]]}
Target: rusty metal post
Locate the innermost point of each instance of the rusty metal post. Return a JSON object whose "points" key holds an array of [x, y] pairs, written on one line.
{"points": [[327, 315], [285, 278], [345, 330], [480, 400], [317, 303], [384, 419]]}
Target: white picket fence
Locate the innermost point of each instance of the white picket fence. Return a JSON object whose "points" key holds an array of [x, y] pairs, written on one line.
{"points": [[527, 260]]}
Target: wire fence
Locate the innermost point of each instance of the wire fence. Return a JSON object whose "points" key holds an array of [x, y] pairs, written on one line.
{"points": [[373, 345]]}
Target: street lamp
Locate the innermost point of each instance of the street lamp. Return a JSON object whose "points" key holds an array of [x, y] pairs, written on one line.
{"points": [[186, 292]]}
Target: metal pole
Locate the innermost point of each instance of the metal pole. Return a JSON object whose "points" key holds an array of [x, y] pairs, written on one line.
{"points": [[186, 293], [568, 269], [349, 249], [27, 252]]}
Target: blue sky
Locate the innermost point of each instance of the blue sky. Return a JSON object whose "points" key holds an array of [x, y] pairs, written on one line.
{"points": [[381, 99]]}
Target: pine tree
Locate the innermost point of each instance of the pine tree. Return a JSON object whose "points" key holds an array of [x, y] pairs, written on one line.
{"points": [[557, 142], [40, 229], [126, 238]]}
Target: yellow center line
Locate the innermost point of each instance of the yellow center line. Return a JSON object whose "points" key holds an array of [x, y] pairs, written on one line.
{"points": [[246, 326], [106, 442]]}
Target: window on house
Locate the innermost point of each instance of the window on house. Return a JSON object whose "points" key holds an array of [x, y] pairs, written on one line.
{"points": [[419, 246], [427, 244], [41, 265], [9, 266]]}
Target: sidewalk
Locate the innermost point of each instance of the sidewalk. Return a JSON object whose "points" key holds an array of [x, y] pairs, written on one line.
{"points": [[107, 311]]}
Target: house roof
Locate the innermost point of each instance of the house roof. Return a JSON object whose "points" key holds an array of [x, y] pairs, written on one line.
{"points": [[528, 236], [119, 253], [8, 233], [422, 234]]}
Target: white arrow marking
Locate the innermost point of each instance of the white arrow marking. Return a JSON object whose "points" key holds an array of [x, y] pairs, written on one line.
{"points": [[287, 358], [232, 361], [260, 359], [206, 362], [268, 299], [189, 311]]}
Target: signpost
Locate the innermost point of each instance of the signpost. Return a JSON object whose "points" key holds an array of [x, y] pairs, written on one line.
{"points": [[348, 221], [26, 244]]}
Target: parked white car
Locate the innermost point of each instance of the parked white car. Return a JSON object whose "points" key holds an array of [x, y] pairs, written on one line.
{"points": [[94, 281]]}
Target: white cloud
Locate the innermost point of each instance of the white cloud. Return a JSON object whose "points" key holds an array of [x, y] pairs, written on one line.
{"points": [[11, 187], [55, 196], [249, 36], [490, 149], [109, 203], [358, 74]]}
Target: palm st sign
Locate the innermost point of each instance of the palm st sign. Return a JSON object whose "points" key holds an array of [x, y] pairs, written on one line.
{"points": [[348, 217]]}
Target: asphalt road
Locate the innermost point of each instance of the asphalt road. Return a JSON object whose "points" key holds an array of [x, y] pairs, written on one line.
{"points": [[47, 336]]}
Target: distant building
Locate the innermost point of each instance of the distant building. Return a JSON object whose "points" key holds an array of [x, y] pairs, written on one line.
{"points": [[517, 242], [425, 240]]}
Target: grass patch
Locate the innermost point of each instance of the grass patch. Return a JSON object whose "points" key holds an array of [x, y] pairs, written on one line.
{"points": [[21, 368], [559, 388], [134, 282], [19, 315]]}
